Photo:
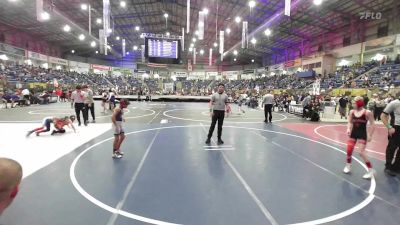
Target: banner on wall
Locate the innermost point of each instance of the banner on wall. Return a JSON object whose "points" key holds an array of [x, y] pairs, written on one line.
{"points": [[123, 71], [277, 67], [100, 67], [180, 74], [11, 50], [231, 75], [58, 61], [293, 63], [211, 74], [37, 56], [380, 43]]}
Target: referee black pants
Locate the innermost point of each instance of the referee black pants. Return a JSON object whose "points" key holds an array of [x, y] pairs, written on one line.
{"points": [[91, 108], [219, 116], [268, 112], [80, 107], [393, 151]]}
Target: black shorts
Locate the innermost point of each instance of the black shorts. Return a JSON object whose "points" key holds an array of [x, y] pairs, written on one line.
{"points": [[359, 135]]}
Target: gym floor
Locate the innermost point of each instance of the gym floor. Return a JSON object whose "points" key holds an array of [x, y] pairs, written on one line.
{"points": [[287, 172]]}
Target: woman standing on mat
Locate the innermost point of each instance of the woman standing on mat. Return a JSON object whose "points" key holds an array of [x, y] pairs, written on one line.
{"points": [[357, 131], [119, 133]]}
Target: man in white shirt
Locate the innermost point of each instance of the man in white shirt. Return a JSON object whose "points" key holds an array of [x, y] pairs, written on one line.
{"points": [[268, 103], [26, 93], [219, 104], [78, 99]]}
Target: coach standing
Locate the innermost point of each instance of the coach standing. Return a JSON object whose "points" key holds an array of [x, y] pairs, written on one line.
{"points": [[78, 98], [392, 165], [268, 103], [219, 102]]}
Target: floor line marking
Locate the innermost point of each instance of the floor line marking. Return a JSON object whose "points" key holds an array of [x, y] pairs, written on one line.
{"points": [[154, 117], [121, 203], [339, 142], [260, 205], [165, 113], [106, 207]]}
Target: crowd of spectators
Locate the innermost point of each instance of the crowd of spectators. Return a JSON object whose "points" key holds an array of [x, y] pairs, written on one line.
{"points": [[16, 78]]}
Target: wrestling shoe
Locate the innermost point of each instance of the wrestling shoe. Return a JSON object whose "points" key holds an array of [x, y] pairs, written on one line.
{"points": [[347, 168]]}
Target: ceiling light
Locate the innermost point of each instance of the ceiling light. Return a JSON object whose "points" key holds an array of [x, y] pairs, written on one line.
{"points": [[238, 19], [12, 0], [72, 51], [135, 48], [98, 21], [253, 41], [167, 34], [137, 28], [317, 2], [252, 3], [127, 53], [97, 52], [93, 44], [84, 7], [252, 60], [201, 52], [166, 15], [191, 45], [122, 4], [67, 28], [45, 16], [215, 44], [205, 11], [117, 38], [234, 59], [81, 37], [194, 39], [235, 52], [267, 32], [190, 49], [228, 30]]}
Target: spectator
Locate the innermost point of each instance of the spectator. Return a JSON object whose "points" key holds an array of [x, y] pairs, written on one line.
{"points": [[11, 175]]}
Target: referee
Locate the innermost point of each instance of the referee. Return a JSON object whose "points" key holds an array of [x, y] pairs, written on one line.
{"points": [[268, 103], [392, 165], [78, 98], [219, 102]]}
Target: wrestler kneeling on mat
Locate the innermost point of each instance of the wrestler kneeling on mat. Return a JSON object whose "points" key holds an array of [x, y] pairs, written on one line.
{"points": [[58, 123]]}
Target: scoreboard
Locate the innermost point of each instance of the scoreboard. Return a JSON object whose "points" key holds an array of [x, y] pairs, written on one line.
{"points": [[164, 51], [163, 48]]}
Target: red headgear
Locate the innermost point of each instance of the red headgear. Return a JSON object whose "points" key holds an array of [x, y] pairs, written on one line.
{"points": [[360, 103]]}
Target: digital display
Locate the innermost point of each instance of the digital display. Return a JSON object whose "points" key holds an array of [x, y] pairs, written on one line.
{"points": [[163, 48]]}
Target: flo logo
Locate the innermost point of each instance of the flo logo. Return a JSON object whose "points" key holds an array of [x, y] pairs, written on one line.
{"points": [[370, 16]]}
